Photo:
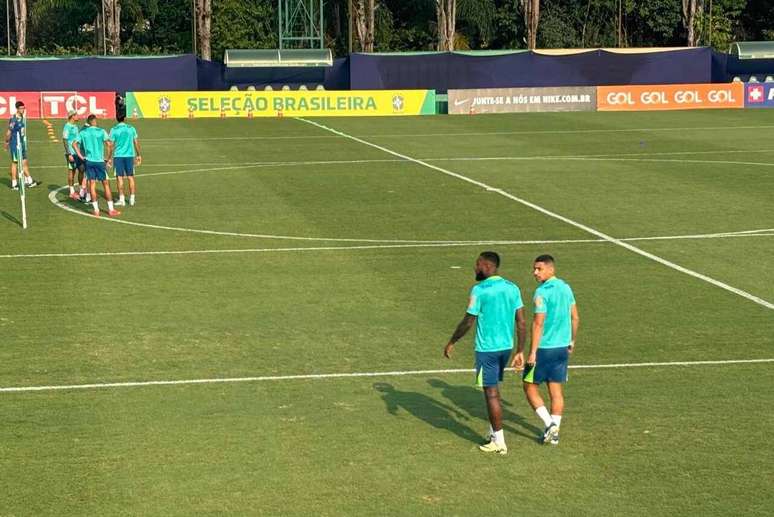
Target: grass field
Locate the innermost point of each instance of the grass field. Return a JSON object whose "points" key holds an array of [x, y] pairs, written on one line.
{"points": [[264, 248]]}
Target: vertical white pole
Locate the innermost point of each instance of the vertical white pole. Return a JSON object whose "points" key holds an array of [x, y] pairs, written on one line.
{"points": [[20, 180]]}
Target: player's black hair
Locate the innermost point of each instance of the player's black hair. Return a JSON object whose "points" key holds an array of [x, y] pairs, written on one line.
{"points": [[546, 259], [19, 104], [121, 117], [91, 118], [491, 256]]}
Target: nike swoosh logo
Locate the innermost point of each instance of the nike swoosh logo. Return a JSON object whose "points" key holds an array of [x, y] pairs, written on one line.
{"points": [[460, 103]]}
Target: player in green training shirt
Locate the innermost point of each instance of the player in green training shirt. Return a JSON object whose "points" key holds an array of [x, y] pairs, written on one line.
{"points": [[16, 143], [495, 307], [554, 328], [127, 150], [74, 163], [90, 146]]}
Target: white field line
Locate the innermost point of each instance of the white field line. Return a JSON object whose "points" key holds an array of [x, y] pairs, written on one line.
{"points": [[749, 233], [588, 229], [394, 243], [320, 376], [451, 134], [461, 158]]}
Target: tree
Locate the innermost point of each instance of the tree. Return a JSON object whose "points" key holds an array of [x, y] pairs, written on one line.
{"points": [[112, 21], [20, 25], [690, 8], [531, 11], [446, 13], [365, 16], [203, 27]]}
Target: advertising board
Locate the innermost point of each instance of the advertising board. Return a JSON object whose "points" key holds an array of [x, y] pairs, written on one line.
{"points": [[522, 100]]}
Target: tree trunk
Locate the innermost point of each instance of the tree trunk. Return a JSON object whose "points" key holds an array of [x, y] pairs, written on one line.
{"points": [[20, 22], [446, 11], [365, 23], [531, 10], [112, 9], [204, 28], [689, 21]]}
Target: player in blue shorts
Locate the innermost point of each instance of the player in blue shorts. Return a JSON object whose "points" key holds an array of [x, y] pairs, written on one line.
{"points": [[126, 151], [495, 307], [72, 160], [554, 328], [92, 143], [16, 143]]}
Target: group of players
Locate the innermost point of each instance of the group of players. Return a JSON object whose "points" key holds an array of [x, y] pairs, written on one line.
{"points": [[88, 151], [495, 307]]}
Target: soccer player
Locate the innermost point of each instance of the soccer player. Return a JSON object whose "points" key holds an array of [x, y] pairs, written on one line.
{"points": [[92, 142], [494, 306], [554, 328], [15, 138], [127, 147], [73, 161]]}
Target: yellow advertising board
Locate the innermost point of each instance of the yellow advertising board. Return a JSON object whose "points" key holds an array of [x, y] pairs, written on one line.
{"points": [[364, 103]]}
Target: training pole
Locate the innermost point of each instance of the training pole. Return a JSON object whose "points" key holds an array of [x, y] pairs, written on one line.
{"points": [[20, 180], [20, 177]]}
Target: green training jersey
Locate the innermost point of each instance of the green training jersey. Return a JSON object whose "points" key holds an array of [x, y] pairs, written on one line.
{"points": [[69, 135], [554, 298], [92, 142], [123, 136], [494, 302]]}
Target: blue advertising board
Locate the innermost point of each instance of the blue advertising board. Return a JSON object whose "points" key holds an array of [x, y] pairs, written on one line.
{"points": [[759, 95]]}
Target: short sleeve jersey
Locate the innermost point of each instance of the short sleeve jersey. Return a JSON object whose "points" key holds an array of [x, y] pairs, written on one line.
{"points": [[69, 135], [123, 136], [494, 302], [92, 142], [18, 131], [555, 299]]}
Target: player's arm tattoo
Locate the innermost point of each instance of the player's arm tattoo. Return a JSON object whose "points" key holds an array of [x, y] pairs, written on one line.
{"points": [[463, 327]]}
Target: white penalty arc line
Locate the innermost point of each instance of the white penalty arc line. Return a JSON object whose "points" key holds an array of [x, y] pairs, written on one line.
{"points": [[554, 215], [320, 376], [397, 243]]}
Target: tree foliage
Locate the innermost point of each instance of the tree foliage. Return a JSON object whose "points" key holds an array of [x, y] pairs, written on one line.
{"points": [[165, 26]]}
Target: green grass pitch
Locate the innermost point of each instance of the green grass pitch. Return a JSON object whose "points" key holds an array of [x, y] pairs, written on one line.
{"points": [[274, 247]]}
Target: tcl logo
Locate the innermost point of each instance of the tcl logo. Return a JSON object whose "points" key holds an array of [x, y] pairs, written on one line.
{"points": [[58, 105], [7, 105]]}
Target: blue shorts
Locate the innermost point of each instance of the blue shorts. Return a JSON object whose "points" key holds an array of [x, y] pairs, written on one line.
{"points": [[550, 366], [14, 152], [490, 367], [76, 164], [95, 171], [124, 166]]}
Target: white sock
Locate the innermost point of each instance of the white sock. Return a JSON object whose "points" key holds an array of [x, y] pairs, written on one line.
{"points": [[557, 420], [96, 206], [110, 206], [121, 198], [499, 437], [14, 183], [72, 189], [542, 412], [131, 199], [82, 192], [27, 180]]}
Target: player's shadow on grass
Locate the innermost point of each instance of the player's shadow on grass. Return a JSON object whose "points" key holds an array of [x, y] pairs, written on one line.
{"points": [[10, 217], [471, 400], [427, 409]]}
